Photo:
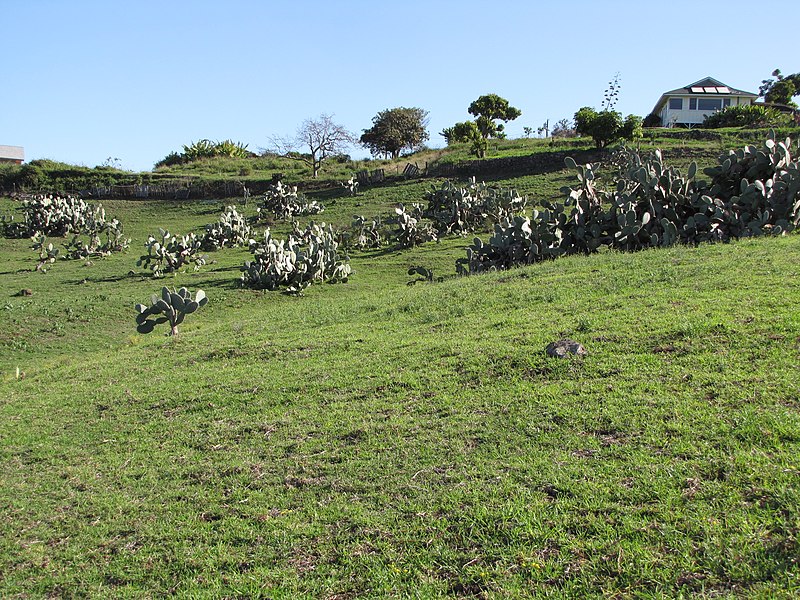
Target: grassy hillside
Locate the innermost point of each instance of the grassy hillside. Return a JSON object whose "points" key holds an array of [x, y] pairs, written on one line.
{"points": [[374, 439], [257, 172]]}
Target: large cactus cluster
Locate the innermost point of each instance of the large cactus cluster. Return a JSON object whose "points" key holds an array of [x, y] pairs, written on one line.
{"points": [[168, 253], [92, 233], [455, 209], [297, 262], [231, 230], [753, 191], [285, 202], [57, 216]]}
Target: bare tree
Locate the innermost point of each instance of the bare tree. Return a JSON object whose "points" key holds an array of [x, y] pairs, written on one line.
{"points": [[315, 141]]}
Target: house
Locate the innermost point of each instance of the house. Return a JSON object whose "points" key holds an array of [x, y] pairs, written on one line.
{"points": [[690, 105], [12, 154]]}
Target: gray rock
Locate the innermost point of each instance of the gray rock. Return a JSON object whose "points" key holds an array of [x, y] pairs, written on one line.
{"points": [[563, 347]]}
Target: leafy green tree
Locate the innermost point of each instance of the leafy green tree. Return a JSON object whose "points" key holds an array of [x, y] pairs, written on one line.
{"points": [[467, 132], [396, 129], [491, 108], [607, 126], [780, 90]]}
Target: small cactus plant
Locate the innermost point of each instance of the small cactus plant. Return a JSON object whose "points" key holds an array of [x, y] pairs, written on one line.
{"points": [[172, 305]]}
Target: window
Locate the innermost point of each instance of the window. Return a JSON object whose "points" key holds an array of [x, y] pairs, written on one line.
{"points": [[676, 103], [692, 103], [726, 102], [709, 103]]}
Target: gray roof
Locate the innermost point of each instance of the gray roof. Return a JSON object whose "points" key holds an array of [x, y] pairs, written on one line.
{"points": [[12, 152], [699, 87]]}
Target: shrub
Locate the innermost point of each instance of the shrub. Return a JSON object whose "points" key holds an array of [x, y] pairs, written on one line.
{"points": [[752, 115], [652, 120], [607, 126]]}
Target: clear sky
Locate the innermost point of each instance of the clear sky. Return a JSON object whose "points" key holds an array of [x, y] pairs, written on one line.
{"points": [[86, 80]]}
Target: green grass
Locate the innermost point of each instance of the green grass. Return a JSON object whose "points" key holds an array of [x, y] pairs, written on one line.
{"points": [[372, 439]]}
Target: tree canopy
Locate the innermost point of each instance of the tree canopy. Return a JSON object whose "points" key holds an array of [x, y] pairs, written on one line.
{"points": [[396, 129], [607, 126], [491, 108], [466, 132], [780, 90]]}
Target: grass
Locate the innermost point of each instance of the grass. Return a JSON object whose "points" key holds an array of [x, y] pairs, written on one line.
{"points": [[372, 439]]}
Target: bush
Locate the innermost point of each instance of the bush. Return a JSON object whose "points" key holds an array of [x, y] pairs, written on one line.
{"points": [[752, 115], [652, 120], [607, 126]]}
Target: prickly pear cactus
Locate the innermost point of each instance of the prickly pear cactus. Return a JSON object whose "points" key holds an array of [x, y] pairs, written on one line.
{"points": [[296, 262], [461, 210], [231, 230], [173, 306], [47, 252], [410, 231], [169, 252], [366, 233], [285, 202]]}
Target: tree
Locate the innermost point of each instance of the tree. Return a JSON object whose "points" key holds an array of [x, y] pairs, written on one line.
{"points": [[396, 129], [607, 126], [320, 137], [782, 90], [564, 129], [466, 132], [490, 108]]}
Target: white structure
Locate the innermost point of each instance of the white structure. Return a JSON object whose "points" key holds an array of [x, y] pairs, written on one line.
{"points": [[688, 106], [12, 154]]}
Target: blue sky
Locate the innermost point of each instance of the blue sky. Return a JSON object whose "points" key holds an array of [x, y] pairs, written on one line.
{"points": [[87, 80]]}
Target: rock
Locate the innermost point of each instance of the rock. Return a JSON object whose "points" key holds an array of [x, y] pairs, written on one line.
{"points": [[563, 347]]}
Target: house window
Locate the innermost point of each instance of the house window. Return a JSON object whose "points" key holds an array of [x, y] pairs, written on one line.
{"points": [[726, 102], [676, 103], [692, 103], [709, 103]]}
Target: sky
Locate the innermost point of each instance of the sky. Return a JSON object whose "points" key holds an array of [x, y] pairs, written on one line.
{"points": [[84, 81]]}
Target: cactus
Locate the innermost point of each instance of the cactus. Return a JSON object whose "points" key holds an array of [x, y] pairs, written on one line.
{"points": [[285, 202], [461, 210], [56, 216], [101, 241], [171, 253], [297, 262], [351, 185], [409, 232], [366, 234], [423, 274], [47, 253], [753, 192], [172, 305], [230, 230]]}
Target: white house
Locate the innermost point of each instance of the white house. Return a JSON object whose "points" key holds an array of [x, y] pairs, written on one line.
{"points": [[688, 106], [12, 154]]}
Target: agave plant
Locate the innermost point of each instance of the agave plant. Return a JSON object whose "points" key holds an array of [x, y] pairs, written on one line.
{"points": [[172, 305]]}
